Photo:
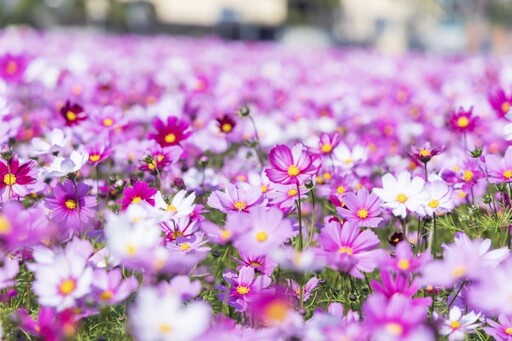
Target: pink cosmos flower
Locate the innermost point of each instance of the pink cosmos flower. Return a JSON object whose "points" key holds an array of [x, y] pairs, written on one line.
{"points": [[328, 142], [265, 230], [468, 175], [70, 205], [501, 330], [139, 192], [292, 166], [499, 170], [404, 260], [309, 287], [463, 121], [244, 287], [362, 209], [500, 102], [425, 153], [236, 198], [98, 153], [353, 244], [396, 319], [261, 264], [159, 158], [110, 288], [15, 178], [285, 196], [12, 67], [399, 284], [171, 133], [50, 324]]}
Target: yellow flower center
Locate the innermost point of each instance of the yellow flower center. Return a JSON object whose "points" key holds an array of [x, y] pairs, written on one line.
{"points": [[340, 189], [5, 225], [11, 67], [171, 208], [506, 174], [67, 287], [255, 264], [240, 205], [170, 138], [226, 127], [108, 122], [433, 203], [362, 213], [160, 157], [292, 192], [136, 200], [263, 188], [106, 295], [459, 271], [425, 152], [261, 236], [327, 176], [508, 331], [455, 324], [404, 264], [326, 148], [467, 176], [276, 311], [71, 116], [94, 157], [401, 198], [462, 122], [243, 290], [293, 170], [131, 250], [505, 107], [70, 204], [347, 250], [394, 328], [185, 246], [225, 234], [164, 328], [9, 179]]}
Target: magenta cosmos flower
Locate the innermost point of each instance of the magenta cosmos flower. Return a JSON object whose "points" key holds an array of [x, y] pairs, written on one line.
{"points": [[70, 205], [12, 67], [245, 287], [328, 142], [292, 166], [425, 153], [500, 102], [139, 192], [16, 177], [170, 133], [351, 243], [73, 113], [362, 209], [499, 170], [463, 121]]}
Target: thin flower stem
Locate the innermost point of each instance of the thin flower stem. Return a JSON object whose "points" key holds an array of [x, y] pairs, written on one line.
{"points": [[301, 245], [312, 218], [425, 170], [456, 294], [257, 148]]}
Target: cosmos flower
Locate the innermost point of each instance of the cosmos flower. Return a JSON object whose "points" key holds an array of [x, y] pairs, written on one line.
{"points": [[439, 199], [425, 153], [362, 209], [98, 153], [15, 177], [226, 124], [309, 287], [261, 264], [170, 133], [109, 287], [499, 170], [63, 278], [463, 121], [61, 166], [73, 113], [500, 102], [244, 288], [160, 315], [328, 142], [139, 192], [50, 324], [404, 260], [292, 166], [501, 330], [402, 193], [346, 158], [266, 230], [349, 242], [458, 325], [13, 67], [180, 206], [236, 198], [70, 205], [160, 158], [54, 142]]}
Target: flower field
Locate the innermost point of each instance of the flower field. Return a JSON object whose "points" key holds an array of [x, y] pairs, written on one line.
{"points": [[160, 188]]}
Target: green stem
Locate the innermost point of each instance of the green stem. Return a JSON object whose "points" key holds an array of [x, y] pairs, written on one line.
{"points": [[301, 245], [312, 218]]}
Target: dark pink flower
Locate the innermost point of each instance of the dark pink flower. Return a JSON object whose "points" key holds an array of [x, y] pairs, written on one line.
{"points": [[139, 192], [171, 133], [14, 177], [12, 67], [463, 121], [73, 113], [500, 102]]}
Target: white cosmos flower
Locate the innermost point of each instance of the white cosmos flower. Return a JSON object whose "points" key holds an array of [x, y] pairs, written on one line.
{"points": [[458, 325], [402, 193], [346, 158], [180, 206], [160, 315], [55, 141], [439, 198], [63, 166]]}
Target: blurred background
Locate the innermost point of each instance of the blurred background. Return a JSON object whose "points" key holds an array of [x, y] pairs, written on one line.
{"points": [[394, 26]]}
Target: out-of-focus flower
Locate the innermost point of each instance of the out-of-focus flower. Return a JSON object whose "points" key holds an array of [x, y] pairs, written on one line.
{"points": [[463, 121], [328, 142], [138, 193], [109, 287], [500, 102], [12, 67], [171, 133], [56, 141], [499, 170], [61, 166], [73, 113], [425, 153], [346, 158]]}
